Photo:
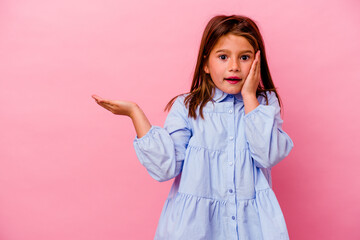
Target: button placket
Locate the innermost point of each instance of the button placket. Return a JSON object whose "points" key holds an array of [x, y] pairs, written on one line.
{"points": [[230, 112]]}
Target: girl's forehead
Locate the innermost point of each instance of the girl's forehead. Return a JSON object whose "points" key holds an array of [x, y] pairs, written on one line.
{"points": [[232, 42]]}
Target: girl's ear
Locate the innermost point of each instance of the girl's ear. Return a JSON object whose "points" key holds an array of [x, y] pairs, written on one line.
{"points": [[206, 68]]}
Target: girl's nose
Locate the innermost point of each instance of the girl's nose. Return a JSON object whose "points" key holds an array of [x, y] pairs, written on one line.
{"points": [[234, 66]]}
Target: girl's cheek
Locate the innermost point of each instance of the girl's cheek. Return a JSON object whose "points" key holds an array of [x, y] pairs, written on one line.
{"points": [[250, 65], [247, 69]]}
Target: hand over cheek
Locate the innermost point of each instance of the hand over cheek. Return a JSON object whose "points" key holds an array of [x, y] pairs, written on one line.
{"points": [[253, 79]]}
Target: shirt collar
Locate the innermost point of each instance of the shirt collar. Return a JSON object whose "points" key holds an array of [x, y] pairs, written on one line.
{"points": [[220, 95]]}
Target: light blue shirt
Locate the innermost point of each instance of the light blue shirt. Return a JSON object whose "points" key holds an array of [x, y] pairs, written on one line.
{"points": [[222, 168]]}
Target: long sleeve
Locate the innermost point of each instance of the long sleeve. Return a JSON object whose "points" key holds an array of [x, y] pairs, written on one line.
{"points": [[268, 143], [162, 150]]}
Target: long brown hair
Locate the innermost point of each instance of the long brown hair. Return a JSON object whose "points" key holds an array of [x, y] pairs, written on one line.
{"points": [[202, 87]]}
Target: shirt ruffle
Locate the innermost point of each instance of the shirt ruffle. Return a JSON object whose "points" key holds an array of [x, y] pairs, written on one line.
{"points": [[259, 218]]}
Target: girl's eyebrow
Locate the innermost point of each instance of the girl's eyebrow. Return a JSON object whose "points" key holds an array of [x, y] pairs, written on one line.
{"points": [[225, 50]]}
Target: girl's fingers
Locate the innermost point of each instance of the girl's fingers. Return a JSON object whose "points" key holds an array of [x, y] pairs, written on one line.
{"points": [[257, 60], [106, 107], [105, 104], [259, 64], [253, 67], [116, 107], [97, 98], [256, 70], [101, 100], [255, 64]]}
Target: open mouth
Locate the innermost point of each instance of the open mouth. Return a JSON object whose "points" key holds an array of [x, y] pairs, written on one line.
{"points": [[233, 80]]}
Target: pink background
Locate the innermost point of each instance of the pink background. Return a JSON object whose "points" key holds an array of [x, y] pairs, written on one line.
{"points": [[67, 167]]}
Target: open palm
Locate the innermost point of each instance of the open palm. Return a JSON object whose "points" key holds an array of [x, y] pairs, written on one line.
{"points": [[115, 106]]}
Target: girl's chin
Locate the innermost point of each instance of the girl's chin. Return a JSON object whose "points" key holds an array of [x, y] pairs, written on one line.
{"points": [[232, 91], [228, 88]]}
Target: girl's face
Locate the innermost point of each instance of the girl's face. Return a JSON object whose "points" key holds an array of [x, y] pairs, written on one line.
{"points": [[229, 63]]}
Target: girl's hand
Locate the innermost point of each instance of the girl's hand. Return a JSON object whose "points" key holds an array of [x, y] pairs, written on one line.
{"points": [[130, 109], [116, 107], [253, 79]]}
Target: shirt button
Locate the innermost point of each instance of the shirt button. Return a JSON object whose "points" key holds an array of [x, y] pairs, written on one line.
{"points": [[230, 190], [231, 137], [233, 217], [230, 111], [230, 163]]}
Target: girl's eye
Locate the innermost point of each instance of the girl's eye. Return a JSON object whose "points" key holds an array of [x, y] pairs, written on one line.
{"points": [[245, 57], [223, 57]]}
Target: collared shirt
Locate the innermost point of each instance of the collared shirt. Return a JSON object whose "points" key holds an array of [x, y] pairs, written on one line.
{"points": [[222, 169]]}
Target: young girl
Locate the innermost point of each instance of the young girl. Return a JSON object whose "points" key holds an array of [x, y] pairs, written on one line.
{"points": [[219, 142]]}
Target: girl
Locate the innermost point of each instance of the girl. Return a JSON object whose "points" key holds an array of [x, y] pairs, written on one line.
{"points": [[219, 142]]}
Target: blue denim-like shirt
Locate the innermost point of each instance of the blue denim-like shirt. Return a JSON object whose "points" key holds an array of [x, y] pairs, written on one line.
{"points": [[222, 169]]}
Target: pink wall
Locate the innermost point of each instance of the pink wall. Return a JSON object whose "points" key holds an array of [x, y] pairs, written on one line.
{"points": [[67, 167]]}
